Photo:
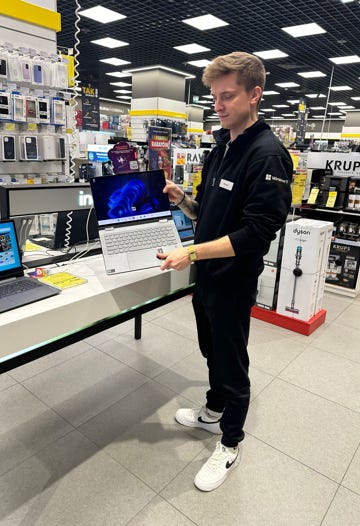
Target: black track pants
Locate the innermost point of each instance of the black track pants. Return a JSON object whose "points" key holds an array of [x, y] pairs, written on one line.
{"points": [[223, 322]]}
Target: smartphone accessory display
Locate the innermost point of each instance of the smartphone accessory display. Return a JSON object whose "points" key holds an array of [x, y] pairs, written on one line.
{"points": [[5, 106], [29, 148], [3, 67], [31, 110], [37, 74], [58, 112], [18, 107], [26, 71], [8, 148], [43, 110], [14, 68]]}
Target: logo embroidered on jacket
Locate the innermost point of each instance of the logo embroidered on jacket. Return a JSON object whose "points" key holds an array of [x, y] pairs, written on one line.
{"points": [[269, 177]]}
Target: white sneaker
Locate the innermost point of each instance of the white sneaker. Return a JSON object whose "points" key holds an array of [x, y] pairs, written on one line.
{"points": [[217, 468], [203, 418]]}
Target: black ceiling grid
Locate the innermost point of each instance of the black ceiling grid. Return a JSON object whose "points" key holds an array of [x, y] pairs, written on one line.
{"points": [[152, 29]]}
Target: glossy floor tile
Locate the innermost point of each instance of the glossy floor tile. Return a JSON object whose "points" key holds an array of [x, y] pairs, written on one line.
{"points": [[88, 436]]}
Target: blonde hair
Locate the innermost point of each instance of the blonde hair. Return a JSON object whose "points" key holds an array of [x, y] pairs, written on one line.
{"points": [[250, 69]]}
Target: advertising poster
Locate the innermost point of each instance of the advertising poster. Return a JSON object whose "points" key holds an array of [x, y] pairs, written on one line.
{"points": [[90, 106], [160, 149]]}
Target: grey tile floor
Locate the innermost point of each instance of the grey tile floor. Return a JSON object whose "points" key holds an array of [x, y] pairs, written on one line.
{"points": [[88, 437]]}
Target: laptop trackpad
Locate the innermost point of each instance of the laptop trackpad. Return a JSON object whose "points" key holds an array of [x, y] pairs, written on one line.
{"points": [[142, 259]]}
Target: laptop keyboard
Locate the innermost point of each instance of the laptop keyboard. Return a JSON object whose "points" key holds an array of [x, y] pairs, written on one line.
{"points": [[14, 287], [120, 241]]}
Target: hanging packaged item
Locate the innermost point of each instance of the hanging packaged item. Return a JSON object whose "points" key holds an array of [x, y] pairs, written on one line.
{"points": [[18, 103], [5, 106]]}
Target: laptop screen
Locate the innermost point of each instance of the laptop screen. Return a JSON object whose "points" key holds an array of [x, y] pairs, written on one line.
{"points": [[184, 225], [9, 251], [132, 197]]}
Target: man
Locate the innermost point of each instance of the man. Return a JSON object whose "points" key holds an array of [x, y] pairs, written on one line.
{"points": [[243, 199]]}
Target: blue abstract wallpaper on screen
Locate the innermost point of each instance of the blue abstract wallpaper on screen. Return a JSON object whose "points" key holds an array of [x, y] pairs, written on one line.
{"points": [[132, 199]]}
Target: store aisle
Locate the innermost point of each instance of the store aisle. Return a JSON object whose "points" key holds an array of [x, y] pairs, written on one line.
{"points": [[88, 436]]}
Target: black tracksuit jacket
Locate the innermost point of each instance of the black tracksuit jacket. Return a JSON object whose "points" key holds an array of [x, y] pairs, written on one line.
{"points": [[245, 195]]}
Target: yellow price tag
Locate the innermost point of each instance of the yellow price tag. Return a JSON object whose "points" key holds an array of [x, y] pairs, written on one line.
{"points": [[313, 196], [331, 199], [10, 126]]}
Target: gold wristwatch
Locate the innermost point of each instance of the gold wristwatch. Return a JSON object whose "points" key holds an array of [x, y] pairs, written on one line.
{"points": [[192, 253]]}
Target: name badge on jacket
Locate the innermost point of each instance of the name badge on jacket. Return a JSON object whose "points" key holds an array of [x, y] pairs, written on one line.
{"points": [[227, 185]]}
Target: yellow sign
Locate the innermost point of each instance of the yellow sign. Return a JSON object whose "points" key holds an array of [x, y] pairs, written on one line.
{"points": [[313, 196], [298, 188], [331, 199], [30, 13]]}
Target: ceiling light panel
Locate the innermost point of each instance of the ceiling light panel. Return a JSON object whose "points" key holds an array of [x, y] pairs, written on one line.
{"points": [[304, 30], [271, 53], [114, 61], [109, 42], [102, 14], [287, 84], [118, 74], [340, 88], [192, 48], [205, 22], [120, 84], [311, 74], [200, 63], [271, 92], [350, 59]]}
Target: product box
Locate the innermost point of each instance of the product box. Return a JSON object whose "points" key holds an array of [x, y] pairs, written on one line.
{"points": [[267, 288], [304, 245], [297, 294], [273, 256], [343, 263]]}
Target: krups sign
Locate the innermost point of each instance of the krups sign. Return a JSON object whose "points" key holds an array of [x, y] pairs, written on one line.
{"points": [[346, 164]]}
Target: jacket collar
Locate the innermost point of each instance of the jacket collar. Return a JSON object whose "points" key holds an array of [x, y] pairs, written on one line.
{"points": [[222, 136]]}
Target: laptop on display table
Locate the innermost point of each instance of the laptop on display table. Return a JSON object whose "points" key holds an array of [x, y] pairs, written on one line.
{"points": [[134, 219], [16, 289]]}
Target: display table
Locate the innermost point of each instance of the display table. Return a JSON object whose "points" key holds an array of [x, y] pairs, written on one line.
{"points": [[40, 328]]}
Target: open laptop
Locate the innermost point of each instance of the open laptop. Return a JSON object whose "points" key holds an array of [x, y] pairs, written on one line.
{"points": [[184, 225], [16, 289], [134, 219]]}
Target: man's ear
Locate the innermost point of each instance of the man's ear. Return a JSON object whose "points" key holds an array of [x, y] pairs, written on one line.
{"points": [[256, 95]]}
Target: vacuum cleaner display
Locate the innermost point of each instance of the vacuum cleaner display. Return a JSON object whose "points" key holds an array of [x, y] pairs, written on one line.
{"points": [[304, 260]]}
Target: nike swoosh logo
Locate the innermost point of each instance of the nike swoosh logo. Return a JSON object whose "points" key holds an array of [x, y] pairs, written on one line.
{"points": [[205, 422], [229, 464]]}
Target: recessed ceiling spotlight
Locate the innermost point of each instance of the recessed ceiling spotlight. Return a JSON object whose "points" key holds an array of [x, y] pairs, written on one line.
{"points": [[349, 59], [271, 53], [192, 48], [109, 42], [101, 14], [205, 22], [304, 30], [311, 74]]}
